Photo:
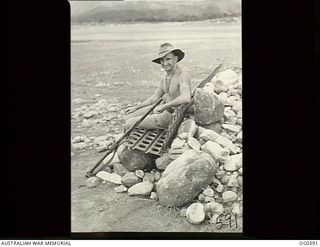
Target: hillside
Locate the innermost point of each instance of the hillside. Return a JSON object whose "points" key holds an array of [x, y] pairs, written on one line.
{"points": [[152, 11]]}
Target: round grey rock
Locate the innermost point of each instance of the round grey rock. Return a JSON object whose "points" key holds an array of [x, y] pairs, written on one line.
{"points": [[120, 189], [130, 179], [136, 160], [139, 173], [208, 192], [195, 213]]}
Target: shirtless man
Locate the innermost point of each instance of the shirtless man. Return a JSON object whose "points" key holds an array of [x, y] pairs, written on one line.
{"points": [[174, 87]]}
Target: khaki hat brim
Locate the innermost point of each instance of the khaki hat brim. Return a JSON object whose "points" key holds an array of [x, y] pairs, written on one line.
{"points": [[178, 52]]}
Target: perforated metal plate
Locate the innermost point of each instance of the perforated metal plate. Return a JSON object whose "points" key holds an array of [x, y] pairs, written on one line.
{"points": [[156, 141], [148, 141]]}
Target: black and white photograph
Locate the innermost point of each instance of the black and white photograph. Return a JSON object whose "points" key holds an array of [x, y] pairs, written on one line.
{"points": [[156, 116]]}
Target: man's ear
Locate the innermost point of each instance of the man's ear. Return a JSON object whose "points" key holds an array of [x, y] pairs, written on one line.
{"points": [[176, 58]]}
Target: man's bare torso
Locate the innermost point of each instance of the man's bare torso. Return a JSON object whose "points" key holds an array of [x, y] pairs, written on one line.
{"points": [[170, 85]]}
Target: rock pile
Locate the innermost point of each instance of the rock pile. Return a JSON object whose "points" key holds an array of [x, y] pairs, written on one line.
{"points": [[202, 170], [104, 114], [99, 143]]}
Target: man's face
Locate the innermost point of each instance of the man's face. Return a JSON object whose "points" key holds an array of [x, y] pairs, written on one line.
{"points": [[169, 61]]}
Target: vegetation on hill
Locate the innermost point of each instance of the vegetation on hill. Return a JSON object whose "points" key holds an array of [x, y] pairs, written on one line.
{"points": [[153, 11]]}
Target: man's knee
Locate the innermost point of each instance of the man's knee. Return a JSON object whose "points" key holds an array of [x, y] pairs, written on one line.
{"points": [[129, 123], [128, 116], [147, 123]]}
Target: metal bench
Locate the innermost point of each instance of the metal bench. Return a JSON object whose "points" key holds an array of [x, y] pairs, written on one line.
{"points": [[156, 141]]}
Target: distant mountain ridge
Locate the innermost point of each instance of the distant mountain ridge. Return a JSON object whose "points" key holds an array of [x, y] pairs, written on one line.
{"points": [[153, 11]]}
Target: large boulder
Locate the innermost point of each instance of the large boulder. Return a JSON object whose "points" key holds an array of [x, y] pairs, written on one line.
{"points": [[226, 78], [185, 178], [208, 108], [135, 159]]}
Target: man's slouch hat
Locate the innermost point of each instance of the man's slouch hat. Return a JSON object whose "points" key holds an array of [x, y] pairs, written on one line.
{"points": [[165, 49]]}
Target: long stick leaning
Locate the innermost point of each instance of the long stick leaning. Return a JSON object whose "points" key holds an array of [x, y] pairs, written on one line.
{"points": [[115, 145]]}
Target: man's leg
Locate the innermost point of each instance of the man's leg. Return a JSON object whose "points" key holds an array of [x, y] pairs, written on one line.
{"points": [[138, 113], [153, 121]]}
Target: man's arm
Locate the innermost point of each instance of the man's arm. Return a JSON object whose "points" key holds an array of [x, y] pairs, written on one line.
{"points": [[152, 99], [149, 101]]}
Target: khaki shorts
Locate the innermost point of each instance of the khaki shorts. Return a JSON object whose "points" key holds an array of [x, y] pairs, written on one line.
{"points": [[152, 121], [162, 119]]}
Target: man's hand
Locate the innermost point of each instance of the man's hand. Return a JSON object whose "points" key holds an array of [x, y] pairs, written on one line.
{"points": [[158, 109], [131, 109]]}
